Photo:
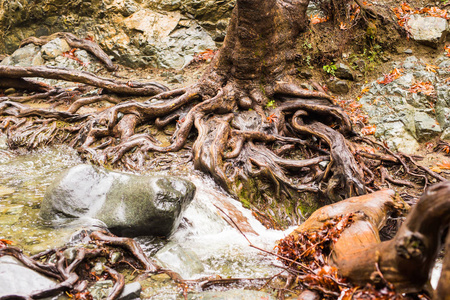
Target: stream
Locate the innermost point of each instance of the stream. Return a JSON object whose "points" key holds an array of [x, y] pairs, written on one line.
{"points": [[205, 244]]}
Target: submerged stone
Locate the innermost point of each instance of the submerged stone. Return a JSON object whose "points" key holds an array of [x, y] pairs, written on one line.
{"points": [[129, 205], [238, 294], [183, 261]]}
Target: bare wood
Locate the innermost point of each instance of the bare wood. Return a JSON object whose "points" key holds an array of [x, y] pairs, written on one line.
{"points": [[26, 84], [407, 259], [119, 87]]}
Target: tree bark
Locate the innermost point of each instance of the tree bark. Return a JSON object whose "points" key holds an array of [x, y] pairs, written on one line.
{"points": [[407, 260]]}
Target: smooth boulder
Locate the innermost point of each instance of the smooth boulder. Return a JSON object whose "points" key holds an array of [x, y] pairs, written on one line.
{"points": [[129, 205], [17, 279]]}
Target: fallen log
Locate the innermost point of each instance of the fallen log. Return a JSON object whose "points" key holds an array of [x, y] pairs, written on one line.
{"points": [[404, 263]]}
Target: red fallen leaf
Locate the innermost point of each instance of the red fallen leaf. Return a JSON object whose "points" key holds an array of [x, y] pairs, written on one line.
{"points": [[71, 54], [388, 78], [423, 87], [272, 118], [316, 19], [206, 55], [444, 165], [368, 130]]}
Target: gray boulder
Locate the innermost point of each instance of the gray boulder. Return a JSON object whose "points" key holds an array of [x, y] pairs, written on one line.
{"points": [[427, 30], [54, 48], [29, 55], [129, 205], [17, 279]]}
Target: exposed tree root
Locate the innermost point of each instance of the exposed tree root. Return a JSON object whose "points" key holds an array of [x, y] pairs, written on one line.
{"points": [[129, 88], [74, 42], [246, 122], [75, 274]]}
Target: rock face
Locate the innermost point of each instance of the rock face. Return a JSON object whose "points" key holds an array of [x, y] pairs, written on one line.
{"points": [[430, 31], [163, 33], [51, 54], [129, 205], [15, 278], [404, 115]]}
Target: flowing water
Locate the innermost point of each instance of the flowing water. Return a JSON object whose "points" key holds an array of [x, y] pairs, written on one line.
{"points": [[205, 244]]}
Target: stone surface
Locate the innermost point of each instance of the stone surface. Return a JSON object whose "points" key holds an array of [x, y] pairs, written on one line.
{"points": [[129, 205], [344, 72], [428, 30], [101, 289], [50, 54], [426, 126], [29, 55], [237, 294], [162, 33], [404, 118], [54, 48], [338, 86], [15, 278], [183, 261]]}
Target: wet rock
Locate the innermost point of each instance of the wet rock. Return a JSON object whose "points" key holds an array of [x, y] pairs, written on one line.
{"points": [[129, 205], [338, 86], [183, 261], [344, 72], [238, 294], [15, 278], [131, 291], [427, 30], [101, 289], [54, 48]]}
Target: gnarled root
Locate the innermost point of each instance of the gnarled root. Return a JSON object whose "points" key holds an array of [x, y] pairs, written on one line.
{"points": [[402, 264], [73, 42], [407, 259]]}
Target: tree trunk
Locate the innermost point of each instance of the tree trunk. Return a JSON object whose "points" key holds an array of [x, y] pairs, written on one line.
{"points": [[257, 129]]}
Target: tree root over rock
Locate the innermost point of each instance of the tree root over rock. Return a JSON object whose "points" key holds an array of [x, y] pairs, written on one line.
{"points": [[258, 134], [76, 274]]}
